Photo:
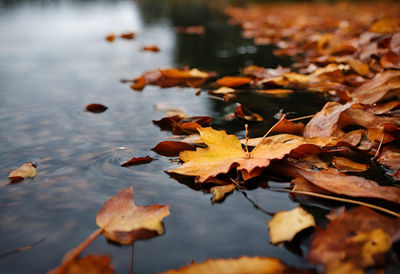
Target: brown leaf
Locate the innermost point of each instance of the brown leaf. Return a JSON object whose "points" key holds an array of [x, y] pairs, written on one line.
{"points": [[137, 161], [262, 265], [245, 114], [346, 165], [220, 192], [285, 126], [354, 186], [152, 48], [91, 264], [378, 87], [353, 241], [128, 35], [124, 222], [390, 61], [172, 148], [286, 224], [27, 170], [232, 82], [386, 25], [199, 30], [110, 37], [96, 108]]}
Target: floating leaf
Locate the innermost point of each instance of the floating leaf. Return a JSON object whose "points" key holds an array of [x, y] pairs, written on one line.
{"points": [[233, 82], [190, 30], [110, 37], [172, 148], [152, 48], [137, 161], [286, 224], [128, 35], [245, 114], [220, 192], [96, 108], [27, 170], [124, 222], [243, 264], [93, 264]]}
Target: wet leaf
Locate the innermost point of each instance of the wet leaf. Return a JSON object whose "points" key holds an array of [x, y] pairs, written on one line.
{"points": [[137, 161], [199, 30], [220, 192], [386, 25], [222, 90], [224, 152], [91, 264], [274, 91], [286, 224], [353, 241], [285, 126], [262, 265], [27, 170], [245, 114], [152, 48], [346, 165], [172, 148], [124, 222], [233, 82], [96, 108]]}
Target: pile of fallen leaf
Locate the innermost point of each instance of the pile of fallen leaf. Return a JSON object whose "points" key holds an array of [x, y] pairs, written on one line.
{"points": [[351, 53]]}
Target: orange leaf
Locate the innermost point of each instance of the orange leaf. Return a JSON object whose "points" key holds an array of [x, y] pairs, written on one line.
{"points": [[27, 170], [233, 82]]}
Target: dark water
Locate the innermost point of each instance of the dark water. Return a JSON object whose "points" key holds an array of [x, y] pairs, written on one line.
{"points": [[53, 62]]}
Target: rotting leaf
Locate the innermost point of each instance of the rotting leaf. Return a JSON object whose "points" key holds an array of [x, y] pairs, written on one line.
{"points": [[220, 192], [27, 170], [92, 264], [124, 222], [96, 108], [245, 114], [137, 161], [244, 264], [172, 148], [284, 225], [353, 241]]}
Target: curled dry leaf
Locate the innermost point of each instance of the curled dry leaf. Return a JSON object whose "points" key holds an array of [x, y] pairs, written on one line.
{"points": [[93, 264], [243, 264], [286, 224], [96, 108], [224, 152], [124, 222], [220, 192], [245, 114], [27, 170], [172, 148], [137, 161], [233, 82], [346, 165], [152, 48], [353, 241]]}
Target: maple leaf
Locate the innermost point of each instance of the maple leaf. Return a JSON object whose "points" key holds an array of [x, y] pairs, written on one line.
{"points": [[353, 240], [286, 224], [225, 152], [124, 222]]}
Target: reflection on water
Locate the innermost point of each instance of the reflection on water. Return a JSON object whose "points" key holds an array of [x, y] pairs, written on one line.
{"points": [[53, 62]]}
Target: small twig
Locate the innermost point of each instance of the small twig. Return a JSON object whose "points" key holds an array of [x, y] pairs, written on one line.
{"points": [[380, 145], [246, 126], [256, 206], [21, 249], [269, 131], [301, 118], [323, 196], [131, 266], [71, 255]]}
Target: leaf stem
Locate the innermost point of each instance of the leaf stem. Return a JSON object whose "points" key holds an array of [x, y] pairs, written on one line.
{"points": [[269, 131], [301, 118]]}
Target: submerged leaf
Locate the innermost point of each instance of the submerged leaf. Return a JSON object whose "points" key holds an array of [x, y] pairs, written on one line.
{"points": [[286, 224], [124, 222]]}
